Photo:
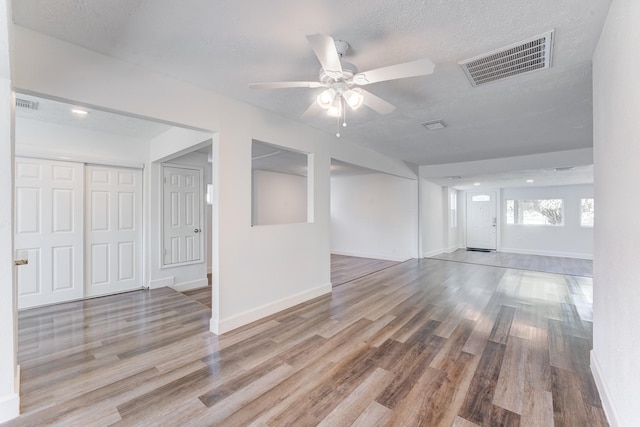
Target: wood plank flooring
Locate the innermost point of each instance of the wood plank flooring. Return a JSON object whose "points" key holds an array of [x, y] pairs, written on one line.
{"points": [[347, 268], [425, 343], [547, 264]]}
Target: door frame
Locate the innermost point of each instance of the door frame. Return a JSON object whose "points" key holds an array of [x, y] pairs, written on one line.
{"points": [[201, 211], [498, 203]]}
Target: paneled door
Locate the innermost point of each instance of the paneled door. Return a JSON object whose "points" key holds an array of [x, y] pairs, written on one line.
{"points": [[481, 220], [181, 210], [113, 249], [48, 230]]}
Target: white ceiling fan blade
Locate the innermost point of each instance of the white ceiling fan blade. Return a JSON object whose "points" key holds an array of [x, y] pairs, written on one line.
{"points": [[376, 103], [420, 67], [325, 49], [284, 85]]}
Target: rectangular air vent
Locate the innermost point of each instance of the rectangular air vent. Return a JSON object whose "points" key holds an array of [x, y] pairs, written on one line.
{"points": [[24, 103], [520, 58], [434, 124]]}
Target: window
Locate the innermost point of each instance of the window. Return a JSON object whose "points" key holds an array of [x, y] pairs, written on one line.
{"points": [[453, 210], [481, 198], [535, 212], [586, 212]]}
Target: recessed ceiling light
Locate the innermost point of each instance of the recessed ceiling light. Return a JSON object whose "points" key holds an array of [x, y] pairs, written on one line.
{"points": [[476, 183], [529, 181], [79, 112], [434, 124]]}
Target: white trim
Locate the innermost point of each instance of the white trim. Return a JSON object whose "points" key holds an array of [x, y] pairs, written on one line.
{"points": [[193, 284], [548, 253], [246, 317], [9, 407], [372, 255], [451, 249], [605, 395], [161, 282]]}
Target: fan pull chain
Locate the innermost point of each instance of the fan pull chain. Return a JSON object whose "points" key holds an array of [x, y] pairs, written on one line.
{"points": [[344, 114], [338, 126]]}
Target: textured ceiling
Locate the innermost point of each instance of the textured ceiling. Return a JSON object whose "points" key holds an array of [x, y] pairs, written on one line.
{"points": [[226, 45]]}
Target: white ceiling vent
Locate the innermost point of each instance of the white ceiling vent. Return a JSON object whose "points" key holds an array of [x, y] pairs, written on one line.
{"points": [[520, 58], [24, 103], [434, 124]]}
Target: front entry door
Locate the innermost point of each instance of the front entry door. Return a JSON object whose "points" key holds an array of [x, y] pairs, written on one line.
{"points": [[114, 230], [48, 230], [481, 220], [181, 210]]}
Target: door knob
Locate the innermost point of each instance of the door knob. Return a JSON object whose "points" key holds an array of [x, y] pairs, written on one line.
{"points": [[197, 230]]}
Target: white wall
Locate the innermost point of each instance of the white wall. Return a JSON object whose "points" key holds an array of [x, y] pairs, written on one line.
{"points": [[432, 198], [39, 138], [278, 198], [570, 240], [9, 398], [257, 270], [616, 96], [374, 216], [451, 231]]}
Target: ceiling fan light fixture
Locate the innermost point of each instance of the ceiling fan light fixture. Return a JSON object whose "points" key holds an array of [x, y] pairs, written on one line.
{"points": [[335, 110], [326, 98], [354, 98]]}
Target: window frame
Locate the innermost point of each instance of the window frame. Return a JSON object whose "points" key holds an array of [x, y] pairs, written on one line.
{"points": [[514, 223]]}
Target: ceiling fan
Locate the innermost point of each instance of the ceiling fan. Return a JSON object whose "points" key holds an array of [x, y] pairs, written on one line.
{"points": [[341, 81]]}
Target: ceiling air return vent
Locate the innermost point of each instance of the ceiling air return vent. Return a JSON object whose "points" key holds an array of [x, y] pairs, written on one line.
{"points": [[520, 58], [24, 103]]}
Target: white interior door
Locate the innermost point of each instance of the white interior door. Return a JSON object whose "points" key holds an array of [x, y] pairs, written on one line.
{"points": [[48, 230], [481, 220], [113, 248], [181, 210]]}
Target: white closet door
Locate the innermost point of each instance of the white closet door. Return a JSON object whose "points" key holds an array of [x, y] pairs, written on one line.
{"points": [[113, 248], [182, 204], [48, 230]]}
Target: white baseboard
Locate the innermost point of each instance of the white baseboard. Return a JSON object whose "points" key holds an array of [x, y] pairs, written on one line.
{"points": [[160, 283], [193, 284], [244, 318], [603, 390], [452, 249], [548, 253], [9, 407], [433, 253]]}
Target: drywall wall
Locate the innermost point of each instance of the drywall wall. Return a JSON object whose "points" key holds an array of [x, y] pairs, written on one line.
{"points": [[616, 299], [433, 216], [451, 224], [570, 240], [44, 139], [9, 399], [289, 263], [583, 156], [278, 198], [374, 216]]}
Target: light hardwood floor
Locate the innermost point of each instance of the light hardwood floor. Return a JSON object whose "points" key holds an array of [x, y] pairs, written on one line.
{"points": [[547, 264], [347, 268], [426, 342]]}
